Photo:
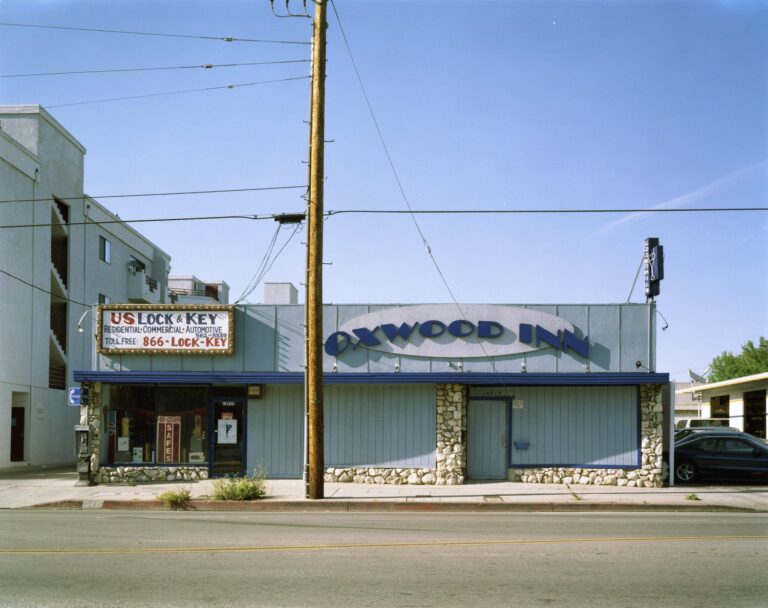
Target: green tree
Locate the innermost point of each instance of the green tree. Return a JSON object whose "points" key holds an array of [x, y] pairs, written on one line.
{"points": [[752, 360]]}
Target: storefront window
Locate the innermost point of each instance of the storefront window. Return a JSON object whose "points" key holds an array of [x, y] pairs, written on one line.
{"points": [[157, 425], [181, 425], [131, 425]]}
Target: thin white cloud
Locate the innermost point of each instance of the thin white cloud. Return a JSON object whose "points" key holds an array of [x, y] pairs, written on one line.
{"points": [[688, 197]]}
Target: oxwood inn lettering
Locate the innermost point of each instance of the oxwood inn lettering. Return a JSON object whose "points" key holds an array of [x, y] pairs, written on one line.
{"points": [[490, 331]]}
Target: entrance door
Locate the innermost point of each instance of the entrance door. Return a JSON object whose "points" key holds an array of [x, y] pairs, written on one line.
{"points": [[228, 436], [487, 439], [754, 413], [17, 434]]}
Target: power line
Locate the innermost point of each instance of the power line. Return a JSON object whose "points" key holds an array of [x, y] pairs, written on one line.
{"points": [[265, 265], [150, 194], [252, 283], [165, 35], [147, 220], [539, 211], [226, 86], [427, 248], [205, 66], [13, 276]]}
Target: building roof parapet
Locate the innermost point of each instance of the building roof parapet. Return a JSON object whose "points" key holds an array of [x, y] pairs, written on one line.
{"points": [[703, 388], [43, 113]]}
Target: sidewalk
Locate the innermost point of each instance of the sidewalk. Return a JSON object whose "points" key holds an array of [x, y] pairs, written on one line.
{"points": [[54, 487]]}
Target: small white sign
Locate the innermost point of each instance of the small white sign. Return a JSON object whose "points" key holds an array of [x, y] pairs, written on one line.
{"points": [[227, 430], [138, 454], [517, 404]]}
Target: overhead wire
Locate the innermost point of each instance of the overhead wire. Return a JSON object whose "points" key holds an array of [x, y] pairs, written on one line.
{"points": [[637, 275], [152, 194], [331, 213], [427, 247], [266, 264], [251, 285], [383, 142], [274, 259], [180, 92], [540, 211], [159, 34], [205, 66], [91, 222], [50, 293]]}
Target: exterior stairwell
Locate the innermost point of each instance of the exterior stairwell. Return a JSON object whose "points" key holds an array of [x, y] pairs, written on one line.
{"points": [[59, 263]]}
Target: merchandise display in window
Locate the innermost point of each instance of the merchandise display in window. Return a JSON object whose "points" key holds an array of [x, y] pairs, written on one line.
{"points": [[157, 425]]}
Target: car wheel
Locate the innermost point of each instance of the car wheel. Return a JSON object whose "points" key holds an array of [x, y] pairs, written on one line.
{"points": [[685, 471]]}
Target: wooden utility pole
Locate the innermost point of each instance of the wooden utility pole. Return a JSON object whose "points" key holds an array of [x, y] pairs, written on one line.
{"points": [[314, 296]]}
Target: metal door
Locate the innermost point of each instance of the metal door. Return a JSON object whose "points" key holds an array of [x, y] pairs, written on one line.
{"points": [[228, 436], [17, 434], [487, 439]]}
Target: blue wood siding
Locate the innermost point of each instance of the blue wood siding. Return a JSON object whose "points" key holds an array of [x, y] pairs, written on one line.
{"points": [[581, 426], [270, 338], [276, 432], [380, 426], [571, 426]]}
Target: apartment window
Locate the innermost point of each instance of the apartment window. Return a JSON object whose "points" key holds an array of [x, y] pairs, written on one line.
{"points": [[105, 250], [104, 299]]}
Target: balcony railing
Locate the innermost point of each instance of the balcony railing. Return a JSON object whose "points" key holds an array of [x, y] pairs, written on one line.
{"points": [[210, 291], [142, 288], [57, 376]]}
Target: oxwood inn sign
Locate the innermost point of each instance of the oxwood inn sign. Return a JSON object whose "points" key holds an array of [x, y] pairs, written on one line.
{"points": [[444, 330], [424, 330]]}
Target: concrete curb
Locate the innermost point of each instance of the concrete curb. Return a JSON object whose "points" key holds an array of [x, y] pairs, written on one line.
{"points": [[382, 506]]}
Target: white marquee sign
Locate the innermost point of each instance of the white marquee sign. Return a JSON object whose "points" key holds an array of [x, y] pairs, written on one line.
{"points": [[148, 329]]}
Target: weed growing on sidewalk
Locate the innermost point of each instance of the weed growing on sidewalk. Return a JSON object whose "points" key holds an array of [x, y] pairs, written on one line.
{"points": [[692, 497], [573, 494], [240, 488], [176, 499]]}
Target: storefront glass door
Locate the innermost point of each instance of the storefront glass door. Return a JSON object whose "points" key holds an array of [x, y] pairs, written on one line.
{"points": [[228, 436]]}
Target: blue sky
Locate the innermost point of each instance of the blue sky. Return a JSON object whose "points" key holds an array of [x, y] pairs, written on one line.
{"points": [[483, 105]]}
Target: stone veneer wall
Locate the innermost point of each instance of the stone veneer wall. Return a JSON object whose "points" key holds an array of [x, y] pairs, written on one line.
{"points": [[450, 456], [148, 473], [650, 473], [450, 452]]}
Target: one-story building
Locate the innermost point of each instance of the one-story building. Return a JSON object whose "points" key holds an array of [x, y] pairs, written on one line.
{"points": [[418, 394], [741, 401]]}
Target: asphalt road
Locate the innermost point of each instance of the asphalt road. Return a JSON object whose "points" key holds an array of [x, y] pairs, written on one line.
{"points": [[101, 558]]}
